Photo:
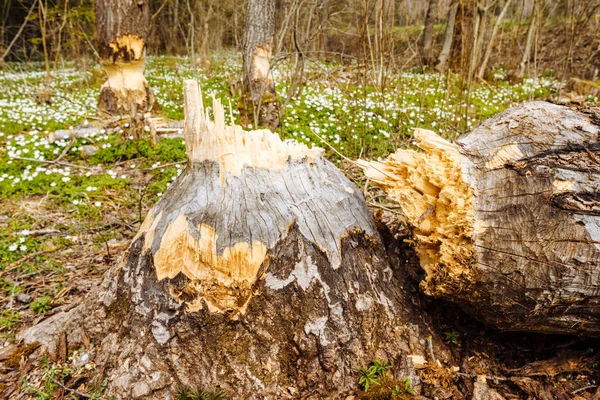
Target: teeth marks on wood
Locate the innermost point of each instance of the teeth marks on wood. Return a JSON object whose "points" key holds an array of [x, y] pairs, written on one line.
{"points": [[127, 48]]}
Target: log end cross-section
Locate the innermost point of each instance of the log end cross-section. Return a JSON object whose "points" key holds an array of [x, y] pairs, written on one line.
{"points": [[437, 202]]}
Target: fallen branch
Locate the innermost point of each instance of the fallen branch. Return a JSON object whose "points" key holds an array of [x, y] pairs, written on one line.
{"points": [[39, 232], [26, 258], [51, 162], [65, 134], [164, 165], [64, 152], [80, 394], [584, 389]]}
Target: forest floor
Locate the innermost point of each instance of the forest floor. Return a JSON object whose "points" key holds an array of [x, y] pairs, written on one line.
{"points": [[65, 217]]}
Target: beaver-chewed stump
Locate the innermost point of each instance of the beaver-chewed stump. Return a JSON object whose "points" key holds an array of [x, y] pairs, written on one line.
{"points": [[260, 271], [507, 220]]}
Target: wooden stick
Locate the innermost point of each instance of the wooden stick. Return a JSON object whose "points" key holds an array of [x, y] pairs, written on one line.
{"points": [[80, 394], [63, 134], [51, 162]]}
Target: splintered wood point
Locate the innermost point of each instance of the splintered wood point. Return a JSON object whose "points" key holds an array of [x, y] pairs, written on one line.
{"points": [[233, 148]]}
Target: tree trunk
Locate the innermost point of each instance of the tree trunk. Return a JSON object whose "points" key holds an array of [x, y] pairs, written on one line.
{"points": [[479, 31], [507, 220], [490, 45], [261, 106], [122, 27], [430, 19], [260, 270], [448, 36], [530, 37]]}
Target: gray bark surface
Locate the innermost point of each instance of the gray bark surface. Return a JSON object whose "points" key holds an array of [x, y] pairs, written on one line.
{"points": [[115, 18]]}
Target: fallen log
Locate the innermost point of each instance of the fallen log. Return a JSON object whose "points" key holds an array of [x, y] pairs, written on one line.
{"points": [[260, 271], [506, 221], [158, 126], [66, 134]]}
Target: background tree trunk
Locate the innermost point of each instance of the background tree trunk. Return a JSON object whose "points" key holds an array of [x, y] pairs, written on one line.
{"points": [[430, 20], [122, 28], [442, 64], [261, 105], [260, 270], [507, 221], [530, 38], [490, 44]]}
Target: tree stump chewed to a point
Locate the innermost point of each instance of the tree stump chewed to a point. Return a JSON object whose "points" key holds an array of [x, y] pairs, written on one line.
{"points": [[260, 271]]}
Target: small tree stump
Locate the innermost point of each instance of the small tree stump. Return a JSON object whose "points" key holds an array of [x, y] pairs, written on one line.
{"points": [[507, 220]]}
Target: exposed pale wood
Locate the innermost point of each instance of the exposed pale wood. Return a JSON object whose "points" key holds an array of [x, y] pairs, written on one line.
{"points": [[437, 202], [231, 146], [524, 250]]}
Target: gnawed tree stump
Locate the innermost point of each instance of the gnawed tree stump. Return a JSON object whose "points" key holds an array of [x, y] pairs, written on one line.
{"points": [[122, 28], [507, 220], [260, 270], [259, 104]]}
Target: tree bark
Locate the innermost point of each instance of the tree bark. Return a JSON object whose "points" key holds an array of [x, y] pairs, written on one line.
{"points": [[442, 64], [261, 106], [430, 19], [507, 220], [122, 28], [260, 270], [479, 32]]}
